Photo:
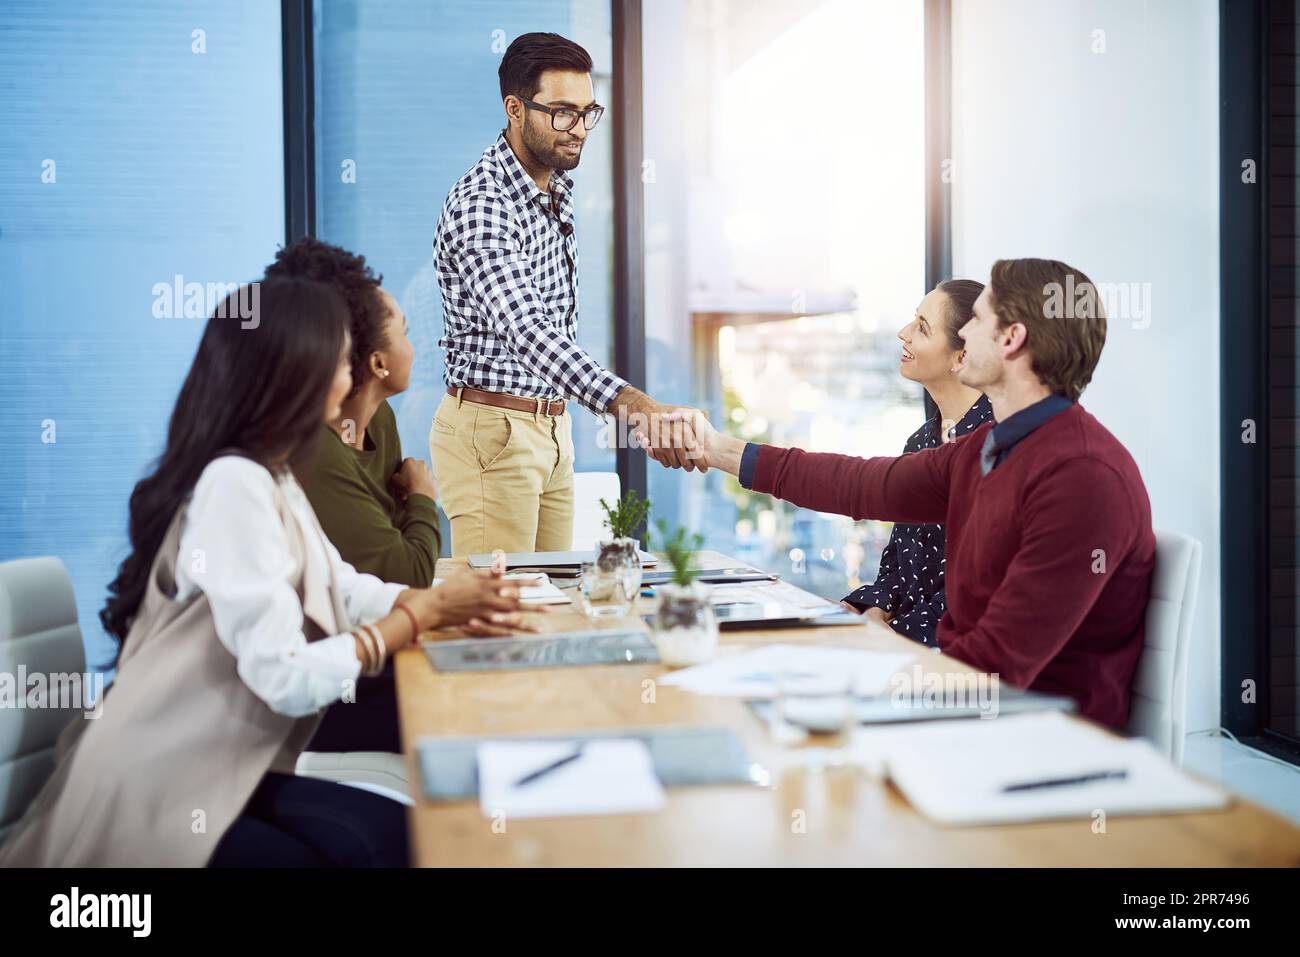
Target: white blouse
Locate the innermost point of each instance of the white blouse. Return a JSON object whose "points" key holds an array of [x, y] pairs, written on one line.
{"points": [[234, 548]]}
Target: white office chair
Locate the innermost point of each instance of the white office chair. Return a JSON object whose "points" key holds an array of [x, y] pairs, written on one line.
{"points": [[39, 633], [588, 517], [1158, 710], [381, 772]]}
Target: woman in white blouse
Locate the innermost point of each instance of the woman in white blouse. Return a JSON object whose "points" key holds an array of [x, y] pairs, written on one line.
{"points": [[239, 623]]}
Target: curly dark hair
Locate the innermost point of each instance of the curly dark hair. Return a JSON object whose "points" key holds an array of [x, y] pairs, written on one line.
{"points": [[349, 276]]}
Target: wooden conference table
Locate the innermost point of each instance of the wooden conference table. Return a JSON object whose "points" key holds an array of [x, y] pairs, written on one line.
{"points": [[846, 818]]}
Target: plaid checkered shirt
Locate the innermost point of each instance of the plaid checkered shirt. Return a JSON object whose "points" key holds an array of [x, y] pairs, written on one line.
{"points": [[508, 270]]}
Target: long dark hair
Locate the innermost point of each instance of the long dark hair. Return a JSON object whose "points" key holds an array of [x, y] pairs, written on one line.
{"points": [[258, 384]]}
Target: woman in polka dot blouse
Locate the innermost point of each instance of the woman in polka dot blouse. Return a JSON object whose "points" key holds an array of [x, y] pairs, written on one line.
{"points": [[907, 594]]}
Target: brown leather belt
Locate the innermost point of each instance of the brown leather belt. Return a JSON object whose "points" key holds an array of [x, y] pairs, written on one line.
{"points": [[503, 401]]}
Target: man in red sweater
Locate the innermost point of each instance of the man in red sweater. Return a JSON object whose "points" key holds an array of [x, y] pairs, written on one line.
{"points": [[1050, 547]]}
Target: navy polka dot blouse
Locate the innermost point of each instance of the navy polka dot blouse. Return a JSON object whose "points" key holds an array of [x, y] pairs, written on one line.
{"points": [[910, 584]]}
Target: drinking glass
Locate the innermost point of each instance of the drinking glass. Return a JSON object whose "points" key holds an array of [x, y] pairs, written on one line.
{"points": [[608, 593], [819, 703]]}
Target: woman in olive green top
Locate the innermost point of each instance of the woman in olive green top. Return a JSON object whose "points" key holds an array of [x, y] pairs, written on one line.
{"points": [[378, 508], [374, 505]]}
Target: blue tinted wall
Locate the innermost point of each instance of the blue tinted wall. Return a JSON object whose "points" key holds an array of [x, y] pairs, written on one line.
{"points": [[140, 143]]}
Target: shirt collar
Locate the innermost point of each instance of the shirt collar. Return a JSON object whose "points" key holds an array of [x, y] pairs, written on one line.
{"points": [[1008, 433], [522, 187]]}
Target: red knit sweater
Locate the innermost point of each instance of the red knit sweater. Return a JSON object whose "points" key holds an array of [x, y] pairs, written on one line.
{"points": [[1049, 556]]}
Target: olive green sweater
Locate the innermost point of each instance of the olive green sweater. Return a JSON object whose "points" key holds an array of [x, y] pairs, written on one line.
{"points": [[372, 528]]}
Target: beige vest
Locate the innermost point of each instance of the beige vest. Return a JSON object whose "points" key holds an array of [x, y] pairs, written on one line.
{"points": [[182, 742]]}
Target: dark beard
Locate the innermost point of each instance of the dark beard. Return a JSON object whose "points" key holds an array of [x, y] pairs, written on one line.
{"points": [[545, 154]]}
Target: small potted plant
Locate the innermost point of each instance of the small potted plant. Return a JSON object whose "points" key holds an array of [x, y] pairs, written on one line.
{"points": [[684, 628], [620, 552]]}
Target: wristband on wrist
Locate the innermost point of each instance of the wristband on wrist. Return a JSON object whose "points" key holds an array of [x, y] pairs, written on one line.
{"points": [[381, 649], [415, 625], [368, 650]]}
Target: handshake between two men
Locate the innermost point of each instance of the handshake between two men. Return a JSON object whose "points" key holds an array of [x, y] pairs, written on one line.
{"points": [[677, 437], [685, 438]]}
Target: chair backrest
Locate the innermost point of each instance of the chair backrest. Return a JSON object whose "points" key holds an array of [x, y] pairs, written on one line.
{"points": [[38, 636], [1159, 705], [588, 517]]}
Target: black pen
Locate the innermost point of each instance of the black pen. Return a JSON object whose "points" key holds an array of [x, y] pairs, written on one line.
{"points": [[543, 771], [1118, 775]]}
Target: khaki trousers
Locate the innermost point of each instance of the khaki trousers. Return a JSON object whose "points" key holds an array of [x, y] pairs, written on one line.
{"points": [[505, 478]]}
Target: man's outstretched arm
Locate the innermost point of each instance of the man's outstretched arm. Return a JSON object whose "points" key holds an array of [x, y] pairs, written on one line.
{"points": [[907, 488]]}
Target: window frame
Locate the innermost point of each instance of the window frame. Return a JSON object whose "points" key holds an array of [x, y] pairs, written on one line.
{"points": [[1244, 246]]}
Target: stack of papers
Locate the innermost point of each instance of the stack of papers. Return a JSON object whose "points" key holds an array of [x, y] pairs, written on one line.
{"points": [[768, 597], [543, 593], [609, 776], [958, 772], [753, 674]]}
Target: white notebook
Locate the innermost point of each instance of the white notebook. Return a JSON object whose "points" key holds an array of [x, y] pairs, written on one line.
{"points": [[610, 776], [955, 772]]}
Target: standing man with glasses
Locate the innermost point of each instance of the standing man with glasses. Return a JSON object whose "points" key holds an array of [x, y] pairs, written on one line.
{"points": [[507, 261]]}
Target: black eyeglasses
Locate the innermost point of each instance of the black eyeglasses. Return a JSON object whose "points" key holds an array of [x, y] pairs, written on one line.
{"points": [[564, 119]]}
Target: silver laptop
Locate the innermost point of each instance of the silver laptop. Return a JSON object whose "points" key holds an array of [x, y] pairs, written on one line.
{"points": [[545, 560]]}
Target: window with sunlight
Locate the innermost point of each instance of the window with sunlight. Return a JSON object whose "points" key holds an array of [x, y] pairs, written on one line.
{"points": [[785, 221]]}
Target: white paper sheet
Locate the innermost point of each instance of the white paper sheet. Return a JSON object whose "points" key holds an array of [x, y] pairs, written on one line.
{"points": [[752, 674], [543, 593]]}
